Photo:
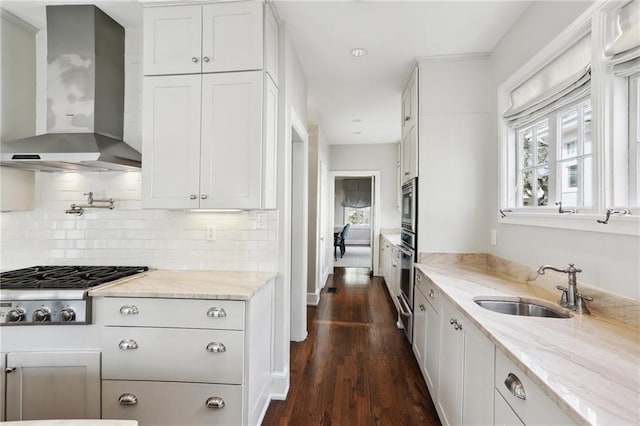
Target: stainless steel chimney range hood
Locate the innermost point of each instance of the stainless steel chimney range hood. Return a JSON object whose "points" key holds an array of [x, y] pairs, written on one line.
{"points": [[85, 97]]}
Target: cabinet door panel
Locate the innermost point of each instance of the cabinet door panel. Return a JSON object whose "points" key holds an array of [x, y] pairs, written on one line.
{"points": [[419, 328], [478, 378], [172, 38], [32, 387], [431, 352], [172, 404], [232, 36], [450, 367], [171, 141], [504, 414], [173, 354], [410, 154], [231, 162]]}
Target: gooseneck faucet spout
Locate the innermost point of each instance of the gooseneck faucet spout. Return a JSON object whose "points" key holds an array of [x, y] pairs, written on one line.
{"points": [[570, 293]]}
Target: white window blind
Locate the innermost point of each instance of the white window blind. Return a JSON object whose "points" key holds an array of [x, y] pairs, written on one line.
{"points": [[357, 193], [561, 82], [624, 50]]}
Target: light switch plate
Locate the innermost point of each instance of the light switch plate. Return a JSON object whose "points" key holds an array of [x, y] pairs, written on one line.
{"points": [[494, 237], [261, 220], [211, 233]]}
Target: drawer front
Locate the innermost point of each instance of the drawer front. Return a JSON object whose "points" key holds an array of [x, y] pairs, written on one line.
{"points": [[187, 313], [170, 354], [428, 289], [537, 407], [160, 403]]}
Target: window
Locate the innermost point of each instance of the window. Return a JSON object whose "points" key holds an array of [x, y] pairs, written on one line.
{"points": [[547, 174], [634, 140], [357, 216]]}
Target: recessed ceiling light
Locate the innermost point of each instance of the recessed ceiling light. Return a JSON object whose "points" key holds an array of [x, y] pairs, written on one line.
{"points": [[358, 51], [356, 120], [357, 133]]}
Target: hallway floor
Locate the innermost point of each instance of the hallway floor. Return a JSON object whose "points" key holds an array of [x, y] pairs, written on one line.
{"points": [[354, 257], [356, 367]]}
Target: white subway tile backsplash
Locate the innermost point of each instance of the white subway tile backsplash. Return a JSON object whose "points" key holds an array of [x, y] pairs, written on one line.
{"points": [[129, 235]]}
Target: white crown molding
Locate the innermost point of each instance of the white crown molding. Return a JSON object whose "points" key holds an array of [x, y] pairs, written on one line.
{"points": [[10, 17], [453, 57]]}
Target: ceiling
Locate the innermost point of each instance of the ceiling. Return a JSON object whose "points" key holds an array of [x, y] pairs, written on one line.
{"points": [[343, 88]]}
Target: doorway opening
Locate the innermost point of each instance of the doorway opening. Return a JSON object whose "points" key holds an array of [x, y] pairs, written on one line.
{"points": [[354, 219]]}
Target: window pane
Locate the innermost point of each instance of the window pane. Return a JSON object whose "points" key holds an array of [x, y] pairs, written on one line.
{"points": [[569, 182], [569, 136], [587, 130], [527, 191], [357, 216], [527, 148], [587, 198], [542, 190], [542, 136]]}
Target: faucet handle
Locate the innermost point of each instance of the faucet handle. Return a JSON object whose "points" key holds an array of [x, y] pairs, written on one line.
{"points": [[581, 305], [564, 299], [572, 268]]}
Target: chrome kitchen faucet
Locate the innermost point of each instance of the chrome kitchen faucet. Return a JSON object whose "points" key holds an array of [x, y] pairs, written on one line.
{"points": [[570, 299]]}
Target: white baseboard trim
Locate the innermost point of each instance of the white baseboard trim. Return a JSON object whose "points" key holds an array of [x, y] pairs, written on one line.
{"points": [[313, 298], [262, 405], [280, 385]]}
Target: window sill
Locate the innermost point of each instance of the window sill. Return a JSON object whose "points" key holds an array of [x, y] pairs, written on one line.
{"points": [[623, 225]]}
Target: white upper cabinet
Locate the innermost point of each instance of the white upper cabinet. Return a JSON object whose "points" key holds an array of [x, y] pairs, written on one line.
{"points": [[410, 119], [216, 37], [205, 144], [271, 43]]}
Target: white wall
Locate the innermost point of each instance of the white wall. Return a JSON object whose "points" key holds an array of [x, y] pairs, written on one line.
{"points": [[18, 53], [608, 261], [453, 180], [380, 157]]}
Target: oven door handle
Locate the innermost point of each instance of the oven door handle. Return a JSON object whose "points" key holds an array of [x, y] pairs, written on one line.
{"points": [[403, 304]]}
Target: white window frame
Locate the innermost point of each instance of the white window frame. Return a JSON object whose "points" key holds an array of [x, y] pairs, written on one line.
{"points": [[634, 141], [365, 226], [605, 130]]}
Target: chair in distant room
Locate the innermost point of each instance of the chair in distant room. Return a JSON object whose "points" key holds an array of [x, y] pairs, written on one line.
{"points": [[338, 241]]}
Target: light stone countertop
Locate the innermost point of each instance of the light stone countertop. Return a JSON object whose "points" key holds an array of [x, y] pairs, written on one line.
{"points": [[183, 284], [588, 364], [393, 238]]}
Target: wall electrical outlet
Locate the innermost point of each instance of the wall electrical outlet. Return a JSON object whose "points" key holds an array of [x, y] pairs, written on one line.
{"points": [[494, 237], [211, 233], [261, 220]]}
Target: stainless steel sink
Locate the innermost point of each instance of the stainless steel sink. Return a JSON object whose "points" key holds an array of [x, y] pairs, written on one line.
{"points": [[527, 309]]}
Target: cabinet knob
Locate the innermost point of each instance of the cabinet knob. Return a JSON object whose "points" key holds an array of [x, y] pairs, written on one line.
{"points": [[194, 60], [129, 310], [215, 402], [216, 347], [407, 118], [127, 399], [193, 196], [204, 196], [422, 308], [451, 321], [128, 344], [515, 386], [431, 293], [216, 312], [206, 59]]}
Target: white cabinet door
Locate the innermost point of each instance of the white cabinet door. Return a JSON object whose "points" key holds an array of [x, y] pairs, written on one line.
{"points": [[171, 142], [172, 40], [410, 154], [232, 36], [410, 103], [477, 395], [419, 328], [53, 385], [231, 149], [432, 348], [451, 366]]}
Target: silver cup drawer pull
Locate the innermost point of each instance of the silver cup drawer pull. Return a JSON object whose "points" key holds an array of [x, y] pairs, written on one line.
{"points": [[216, 312], [515, 386], [128, 344], [127, 399], [216, 347], [129, 310], [215, 402]]}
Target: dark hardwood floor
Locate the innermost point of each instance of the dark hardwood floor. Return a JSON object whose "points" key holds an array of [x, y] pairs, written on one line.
{"points": [[356, 367]]}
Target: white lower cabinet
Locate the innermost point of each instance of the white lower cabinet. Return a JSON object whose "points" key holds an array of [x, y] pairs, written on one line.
{"points": [[426, 329], [504, 415], [214, 368], [163, 403], [465, 382], [529, 403], [53, 385]]}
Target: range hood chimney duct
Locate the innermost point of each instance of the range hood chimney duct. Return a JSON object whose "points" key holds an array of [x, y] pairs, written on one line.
{"points": [[85, 97]]}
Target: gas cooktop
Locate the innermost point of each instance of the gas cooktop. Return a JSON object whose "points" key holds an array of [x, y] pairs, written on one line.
{"points": [[64, 277]]}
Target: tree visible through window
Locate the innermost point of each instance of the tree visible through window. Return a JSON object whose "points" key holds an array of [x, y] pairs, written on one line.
{"points": [[357, 216]]}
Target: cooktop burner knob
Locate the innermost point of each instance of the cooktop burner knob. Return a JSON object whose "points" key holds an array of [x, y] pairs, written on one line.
{"points": [[16, 315], [41, 315], [68, 315]]}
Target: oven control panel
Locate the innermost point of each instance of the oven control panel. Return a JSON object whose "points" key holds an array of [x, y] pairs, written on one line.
{"points": [[37, 312]]}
